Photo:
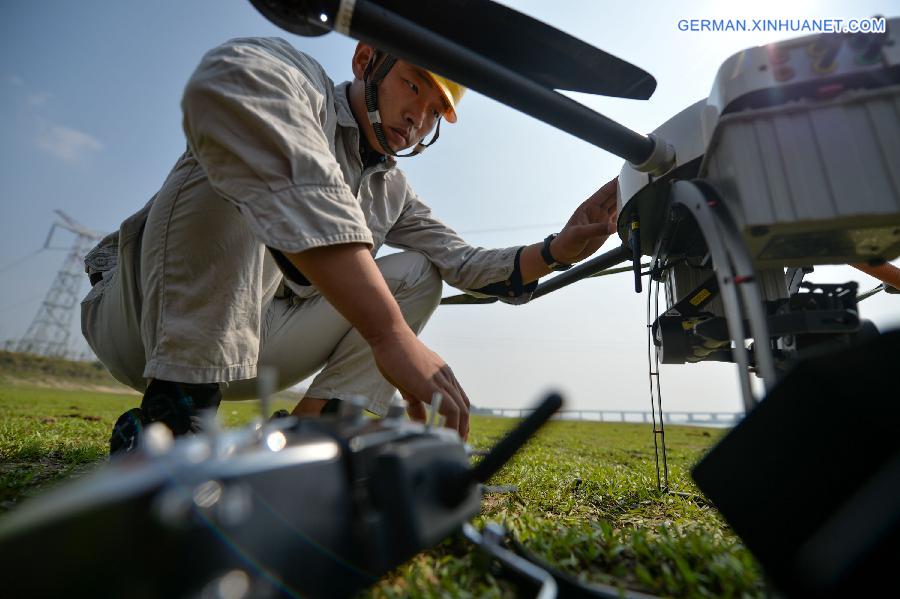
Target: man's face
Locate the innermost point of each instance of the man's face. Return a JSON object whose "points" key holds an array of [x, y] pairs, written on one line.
{"points": [[409, 102]]}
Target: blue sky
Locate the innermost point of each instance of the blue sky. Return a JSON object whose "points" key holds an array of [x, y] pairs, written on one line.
{"points": [[90, 121]]}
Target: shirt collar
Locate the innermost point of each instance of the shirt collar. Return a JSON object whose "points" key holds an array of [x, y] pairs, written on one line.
{"points": [[342, 106], [345, 116]]}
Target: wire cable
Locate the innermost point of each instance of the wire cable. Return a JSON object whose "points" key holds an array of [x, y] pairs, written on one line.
{"points": [[516, 228], [22, 259]]}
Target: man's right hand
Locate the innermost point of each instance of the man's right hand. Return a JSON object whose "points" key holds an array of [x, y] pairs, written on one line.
{"points": [[419, 374], [348, 277]]}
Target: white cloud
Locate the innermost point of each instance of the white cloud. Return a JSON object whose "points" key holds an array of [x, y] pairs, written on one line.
{"points": [[65, 143], [37, 99]]}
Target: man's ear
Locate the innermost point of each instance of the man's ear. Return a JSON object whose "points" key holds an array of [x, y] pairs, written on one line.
{"points": [[361, 57]]}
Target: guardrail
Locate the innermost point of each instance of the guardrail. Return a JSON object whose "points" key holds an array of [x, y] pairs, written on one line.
{"points": [[633, 416]]}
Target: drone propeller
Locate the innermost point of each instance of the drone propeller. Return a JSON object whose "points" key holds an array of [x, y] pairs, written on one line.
{"points": [[459, 39], [527, 46]]}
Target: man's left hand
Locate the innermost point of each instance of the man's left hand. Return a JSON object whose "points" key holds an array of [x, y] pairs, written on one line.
{"points": [[591, 225]]}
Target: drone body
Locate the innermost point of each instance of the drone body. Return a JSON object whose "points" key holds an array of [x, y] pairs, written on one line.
{"points": [[791, 162]]}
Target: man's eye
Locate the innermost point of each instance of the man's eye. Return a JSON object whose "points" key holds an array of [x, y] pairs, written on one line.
{"points": [[413, 87]]}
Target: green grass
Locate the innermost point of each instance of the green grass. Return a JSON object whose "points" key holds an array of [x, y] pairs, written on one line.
{"points": [[48, 434], [29, 368], [586, 499], [587, 503]]}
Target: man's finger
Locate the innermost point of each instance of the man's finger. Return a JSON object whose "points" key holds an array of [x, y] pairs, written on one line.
{"points": [[597, 211], [455, 405], [455, 382], [608, 204], [464, 410], [606, 192], [450, 410], [584, 232], [416, 410], [604, 201], [462, 392], [464, 417]]}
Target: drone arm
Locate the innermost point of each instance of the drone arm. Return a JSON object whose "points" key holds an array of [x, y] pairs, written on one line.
{"points": [[584, 270], [886, 273]]}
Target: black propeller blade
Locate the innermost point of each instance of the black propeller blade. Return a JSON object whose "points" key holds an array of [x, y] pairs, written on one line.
{"points": [[527, 46], [430, 43], [522, 44]]}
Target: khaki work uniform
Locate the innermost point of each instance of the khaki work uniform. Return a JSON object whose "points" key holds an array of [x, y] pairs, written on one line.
{"points": [[189, 290]]}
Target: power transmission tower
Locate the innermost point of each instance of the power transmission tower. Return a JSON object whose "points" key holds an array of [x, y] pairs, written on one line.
{"points": [[48, 334]]}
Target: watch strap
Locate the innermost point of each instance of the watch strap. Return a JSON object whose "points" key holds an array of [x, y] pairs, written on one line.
{"points": [[549, 260]]}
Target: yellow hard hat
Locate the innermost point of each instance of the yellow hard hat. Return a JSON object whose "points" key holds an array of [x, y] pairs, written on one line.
{"points": [[453, 93]]}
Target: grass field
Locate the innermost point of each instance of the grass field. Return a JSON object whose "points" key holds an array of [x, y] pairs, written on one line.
{"points": [[586, 498]]}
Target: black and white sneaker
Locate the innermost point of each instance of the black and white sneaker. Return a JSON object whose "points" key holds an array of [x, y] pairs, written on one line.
{"points": [[177, 405], [127, 431]]}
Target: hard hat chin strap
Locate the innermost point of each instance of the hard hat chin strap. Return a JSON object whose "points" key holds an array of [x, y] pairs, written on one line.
{"points": [[371, 80]]}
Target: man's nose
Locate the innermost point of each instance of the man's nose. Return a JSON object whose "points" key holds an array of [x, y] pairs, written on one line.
{"points": [[415, 118], [417, 114]]}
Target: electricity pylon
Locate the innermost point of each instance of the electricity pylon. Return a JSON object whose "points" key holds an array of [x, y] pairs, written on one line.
{"points": [[48, 334]]}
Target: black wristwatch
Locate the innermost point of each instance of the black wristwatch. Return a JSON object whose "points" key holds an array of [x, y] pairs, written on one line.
{"points": [[549, 260]]}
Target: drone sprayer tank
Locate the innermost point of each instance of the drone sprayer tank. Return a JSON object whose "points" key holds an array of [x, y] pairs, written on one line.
{"points": [[801, 140], [810, 168]]}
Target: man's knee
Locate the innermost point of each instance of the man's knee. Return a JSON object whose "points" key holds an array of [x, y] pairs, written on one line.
{"points": [[412, 273]]}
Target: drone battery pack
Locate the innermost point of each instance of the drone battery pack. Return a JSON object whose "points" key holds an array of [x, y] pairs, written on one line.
{"points": [[814, 180]]}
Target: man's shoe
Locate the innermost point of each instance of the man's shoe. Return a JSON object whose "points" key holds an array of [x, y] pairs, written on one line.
{"points": [[177, 405], [333, 406], [127, 431]]}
